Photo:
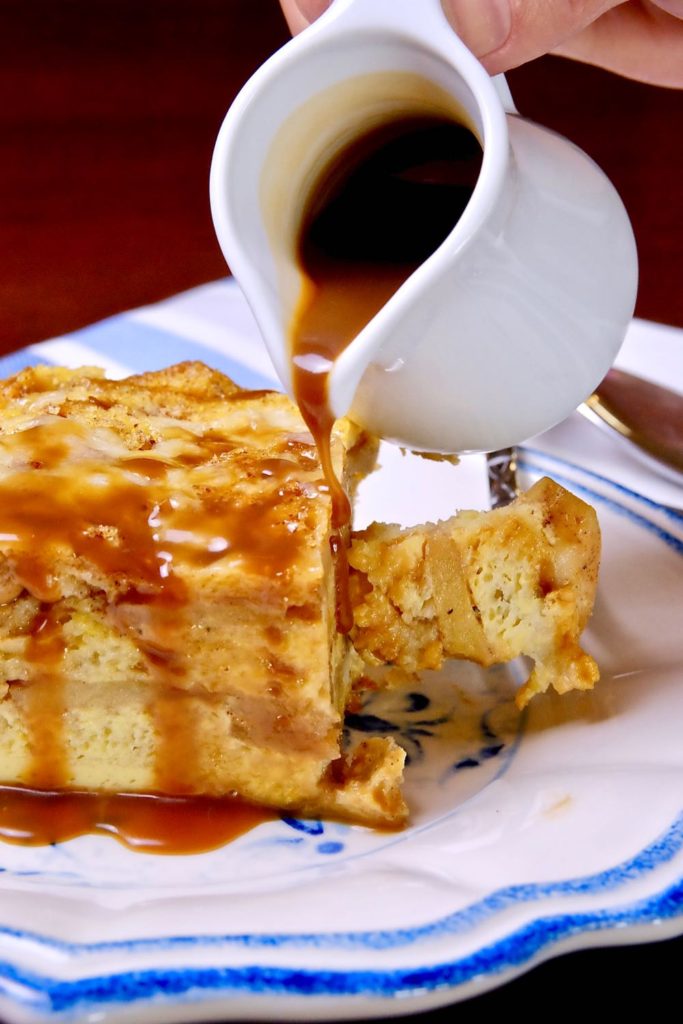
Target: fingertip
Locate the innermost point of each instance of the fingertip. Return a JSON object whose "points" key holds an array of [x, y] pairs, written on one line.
{"points": [[506, 33], [300, 13]]}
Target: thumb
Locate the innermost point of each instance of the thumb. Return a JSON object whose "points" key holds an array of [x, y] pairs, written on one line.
{"points": [[505, 33]]}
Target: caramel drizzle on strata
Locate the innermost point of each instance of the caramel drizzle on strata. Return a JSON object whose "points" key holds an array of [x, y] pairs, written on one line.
{"points": [[117, 512], [44, 704]]}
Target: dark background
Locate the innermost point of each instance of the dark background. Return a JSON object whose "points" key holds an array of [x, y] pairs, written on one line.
{"points": [[108, 114]]}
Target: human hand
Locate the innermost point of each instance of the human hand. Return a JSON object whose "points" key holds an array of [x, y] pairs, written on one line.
{"points": [[641, 39]]}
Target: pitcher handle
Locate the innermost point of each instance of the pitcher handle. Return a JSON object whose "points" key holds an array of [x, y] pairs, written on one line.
{"points": [[503, 89]]}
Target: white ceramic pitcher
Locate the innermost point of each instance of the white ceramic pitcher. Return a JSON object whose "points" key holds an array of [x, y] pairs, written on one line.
{"points": [[518, 314]]}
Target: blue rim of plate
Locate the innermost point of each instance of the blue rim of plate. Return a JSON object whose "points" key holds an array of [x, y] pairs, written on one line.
{"points": [[50, 996], [518, 949]]}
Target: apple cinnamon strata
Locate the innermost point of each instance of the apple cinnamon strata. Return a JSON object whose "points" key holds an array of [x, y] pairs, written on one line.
{"points": [[167, 598], [487, 586]]}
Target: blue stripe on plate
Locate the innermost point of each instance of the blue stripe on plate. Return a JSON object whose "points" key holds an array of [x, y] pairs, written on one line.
{"points": [[675, 543], [16, 361], [141, 347], [672, 513], [517, 949]]}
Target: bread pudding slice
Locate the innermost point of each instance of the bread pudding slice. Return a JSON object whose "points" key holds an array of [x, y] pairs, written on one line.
{"points": [[488, 586], [167, 595], [167, 616]]}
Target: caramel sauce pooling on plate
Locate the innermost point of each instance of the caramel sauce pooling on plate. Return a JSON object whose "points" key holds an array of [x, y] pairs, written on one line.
{"points": [[380, 208], [143, 822]]}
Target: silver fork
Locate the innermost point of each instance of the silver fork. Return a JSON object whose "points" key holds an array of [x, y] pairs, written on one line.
{"points": [[502, 473]]}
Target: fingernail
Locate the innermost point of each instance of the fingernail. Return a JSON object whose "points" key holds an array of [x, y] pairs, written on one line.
{"points": [[312, 9], [483, 25], [300, 13]]}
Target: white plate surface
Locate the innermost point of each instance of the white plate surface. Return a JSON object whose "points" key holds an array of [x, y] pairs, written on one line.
{"points": [[531, 836]]}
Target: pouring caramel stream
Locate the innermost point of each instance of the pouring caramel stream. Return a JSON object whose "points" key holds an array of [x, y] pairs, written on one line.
{"points": [[380, 208]]}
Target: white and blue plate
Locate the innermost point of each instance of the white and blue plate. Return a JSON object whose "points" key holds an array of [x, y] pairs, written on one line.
{"points": [[531, 835]]}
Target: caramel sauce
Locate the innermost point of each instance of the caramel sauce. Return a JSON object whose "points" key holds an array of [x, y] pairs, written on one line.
{"points": [[177, 744], [44, 700], [146, 823], [380, 208], [124, 520]]}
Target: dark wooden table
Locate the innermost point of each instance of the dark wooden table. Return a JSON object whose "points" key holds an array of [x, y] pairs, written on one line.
{"points": [[108, 113]]}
